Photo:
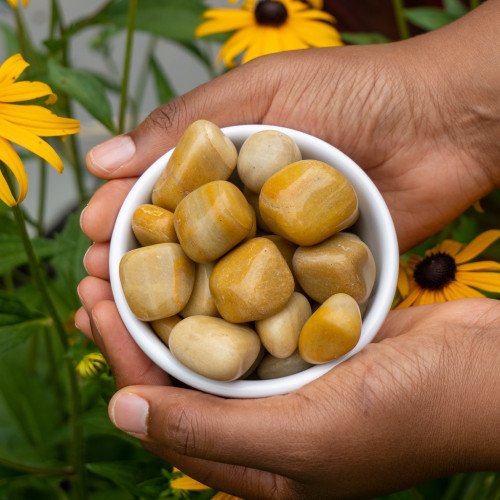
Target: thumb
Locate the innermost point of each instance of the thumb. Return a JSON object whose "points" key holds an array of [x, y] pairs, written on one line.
{"points": [[241, 96]]}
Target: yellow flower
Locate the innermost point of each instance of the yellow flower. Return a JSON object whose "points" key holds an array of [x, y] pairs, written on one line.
{"points": [[445, 273], [268, 26], [186, 483], [25, 124], [15, 3], [91, 365]]}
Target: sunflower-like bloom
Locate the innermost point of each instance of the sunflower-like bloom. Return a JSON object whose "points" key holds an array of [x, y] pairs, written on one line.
{"points": [[445, 273], [267, 26], [91, 365], [186, 483], [24, 125], [15, 3]]}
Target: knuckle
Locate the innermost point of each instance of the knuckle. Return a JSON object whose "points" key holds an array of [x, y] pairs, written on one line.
{"points": [[167, 116], [182, 432]]}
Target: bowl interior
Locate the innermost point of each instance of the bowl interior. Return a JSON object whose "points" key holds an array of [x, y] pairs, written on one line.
{"points": [[374, 227]]}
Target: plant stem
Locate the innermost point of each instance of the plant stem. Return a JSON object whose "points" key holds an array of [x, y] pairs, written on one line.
{"points": [[49, 471], [474, 4], [399, 14], [41, 197], [132, 12], [21, 34], [77, 434]]}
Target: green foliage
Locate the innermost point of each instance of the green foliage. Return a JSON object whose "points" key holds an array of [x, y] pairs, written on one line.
{"points": [[163, 87], [85, 88], [428, 18], [364, 38]]}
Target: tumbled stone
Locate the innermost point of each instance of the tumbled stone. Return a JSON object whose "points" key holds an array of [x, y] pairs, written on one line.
{"points": [[271, 367], [157, 280], [340, 264], [214, 348], [252, 282], [201, 301], [253, 199], [280, 332], [162, 327], [307, 202], [152, 225], [203, 154], [213, 219]]}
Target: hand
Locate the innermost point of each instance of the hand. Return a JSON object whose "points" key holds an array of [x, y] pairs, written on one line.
{"points": [[418, 403]]}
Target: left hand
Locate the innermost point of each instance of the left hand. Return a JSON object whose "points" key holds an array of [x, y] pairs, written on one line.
{"points": [[418, 403]]}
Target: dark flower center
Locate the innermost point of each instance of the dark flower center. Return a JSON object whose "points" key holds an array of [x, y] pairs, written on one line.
{"points": [[270, 13], [435, 271]]}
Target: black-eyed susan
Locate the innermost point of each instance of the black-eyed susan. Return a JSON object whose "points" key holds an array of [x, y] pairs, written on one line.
{"points": [[24, 125], [186, 483], [445, 273], [91, 365], [15, 3], [268, 26]]}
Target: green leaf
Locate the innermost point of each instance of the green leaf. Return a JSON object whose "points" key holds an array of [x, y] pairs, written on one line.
{"points": [[171, 19], [364, 38], [10, 42], [455, 8], [428, 18], [13, 254], [164, 90], [127, 474], [17, 322], [83, 87]]}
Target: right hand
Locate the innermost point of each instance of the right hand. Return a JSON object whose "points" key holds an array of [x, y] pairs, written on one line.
{"points": [[389, 107]]}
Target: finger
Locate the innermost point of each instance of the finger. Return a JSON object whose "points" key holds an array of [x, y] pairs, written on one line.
{"points": [[127, 361], [399, 322], [227, 100], [82, 323], [92, 290], [96, 260], [98, 217], [232, 479], [202, 426]]}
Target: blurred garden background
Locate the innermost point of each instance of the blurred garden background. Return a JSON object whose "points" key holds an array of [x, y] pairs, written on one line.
{"points": [[110, 63]]}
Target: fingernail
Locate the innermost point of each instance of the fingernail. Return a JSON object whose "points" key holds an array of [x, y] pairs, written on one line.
{"points": [[129, 413], [81, 216], [96, 331], [80, 295], [85, 258], [111, 155]]}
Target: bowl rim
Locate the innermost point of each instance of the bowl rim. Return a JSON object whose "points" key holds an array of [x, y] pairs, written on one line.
{"points": [[380, 302]]}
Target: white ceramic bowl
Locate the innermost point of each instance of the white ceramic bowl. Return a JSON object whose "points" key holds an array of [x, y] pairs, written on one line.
{"points": [[375, 228]]}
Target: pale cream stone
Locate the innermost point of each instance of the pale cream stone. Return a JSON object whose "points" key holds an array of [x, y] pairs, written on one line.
{"points": [[271, 367], [157, 280], [214, 348], [201, 301], [203, 154], [253, 199], [263, 154], [280, 333], [163, 327]]}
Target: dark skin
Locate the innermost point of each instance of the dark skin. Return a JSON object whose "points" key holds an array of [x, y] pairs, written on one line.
{"points": [[418, 402]]}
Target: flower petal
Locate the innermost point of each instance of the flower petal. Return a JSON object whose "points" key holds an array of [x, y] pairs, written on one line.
{"points": [[466, 291], [257, 47], [11, 69], [24, 91], [236, 45], [31, 142], [426, 297], [224, 496], [11, 159], [291, 40], [410, 300], [450, 247], [489, 282], [477, 245], [316, 34], [484, 265], [38, 120], [187, 483], [403, 281], [316, 15], [453, 292], [226, 20]]}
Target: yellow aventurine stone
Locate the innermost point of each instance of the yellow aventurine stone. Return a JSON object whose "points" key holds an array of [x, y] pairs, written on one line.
{"points": [[213, 219], [332, 331], [340, 264], [252, 282], [307, 202], [163, 327], [203, 154], [157, 280], [152, 225]]}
